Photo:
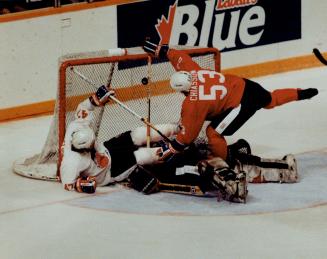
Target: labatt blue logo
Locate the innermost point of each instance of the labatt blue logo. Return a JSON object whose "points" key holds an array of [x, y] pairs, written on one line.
{"points": [[221, 25]]}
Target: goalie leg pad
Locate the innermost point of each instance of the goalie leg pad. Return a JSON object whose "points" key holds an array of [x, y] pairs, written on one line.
{"points": [[261, 170], [291, 174], [231, 185], [143, 181]]}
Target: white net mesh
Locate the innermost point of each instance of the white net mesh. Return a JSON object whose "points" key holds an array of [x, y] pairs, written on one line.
{"points": [[125, 74]]}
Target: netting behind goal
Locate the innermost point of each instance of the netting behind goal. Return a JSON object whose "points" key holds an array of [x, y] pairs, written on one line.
{"points": [[79, 76]]}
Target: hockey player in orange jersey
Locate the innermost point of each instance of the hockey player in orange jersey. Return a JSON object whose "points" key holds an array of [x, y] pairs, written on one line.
{"points": [[227, 101]]}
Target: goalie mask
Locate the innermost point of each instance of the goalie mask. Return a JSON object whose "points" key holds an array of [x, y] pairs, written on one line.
{"points": [[181, 81], [83, 138]]}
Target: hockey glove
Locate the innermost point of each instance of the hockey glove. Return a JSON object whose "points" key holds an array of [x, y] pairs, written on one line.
{"points": [[102, 95], [166, 152], [155, 49], [142, 180], [87, 185]]}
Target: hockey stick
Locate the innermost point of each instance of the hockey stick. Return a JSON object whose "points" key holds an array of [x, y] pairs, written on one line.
{"points": [[180, 189], [174, 188], [144, 120], [319, 56], [149, 99], [123, 105], [146, 81]]}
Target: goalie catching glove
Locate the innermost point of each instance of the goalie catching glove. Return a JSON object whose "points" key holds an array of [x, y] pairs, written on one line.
{"points": [[155, 49], [102, 96]]}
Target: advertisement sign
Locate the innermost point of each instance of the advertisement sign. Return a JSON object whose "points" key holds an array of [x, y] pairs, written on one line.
{"points": [[224, 24]]}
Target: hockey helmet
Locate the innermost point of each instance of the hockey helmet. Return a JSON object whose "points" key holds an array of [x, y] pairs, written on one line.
{"points": [[83, 138], [181, 81]]}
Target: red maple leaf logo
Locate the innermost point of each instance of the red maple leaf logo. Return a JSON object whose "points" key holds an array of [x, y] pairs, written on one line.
{"points": [[164, 26]]}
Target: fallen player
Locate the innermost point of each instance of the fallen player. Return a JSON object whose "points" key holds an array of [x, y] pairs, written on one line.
{"points": [[87, 163]]}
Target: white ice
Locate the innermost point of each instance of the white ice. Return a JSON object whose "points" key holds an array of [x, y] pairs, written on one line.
{"points": [[38, 219]]}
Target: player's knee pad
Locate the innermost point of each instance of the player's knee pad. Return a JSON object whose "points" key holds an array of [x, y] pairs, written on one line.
{"points": [[143, 181]]}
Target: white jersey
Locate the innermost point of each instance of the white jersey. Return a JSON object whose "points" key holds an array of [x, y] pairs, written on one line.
{"points": [[75, 164]]}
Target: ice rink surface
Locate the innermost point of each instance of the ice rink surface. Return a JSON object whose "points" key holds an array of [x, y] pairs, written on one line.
{"points": [[39, 219]]}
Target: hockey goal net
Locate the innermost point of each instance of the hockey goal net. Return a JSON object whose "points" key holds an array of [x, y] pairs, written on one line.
{"points": [[80, 74]]}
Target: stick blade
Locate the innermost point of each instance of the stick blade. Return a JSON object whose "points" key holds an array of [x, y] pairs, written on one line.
{"points": [[319, 56]]}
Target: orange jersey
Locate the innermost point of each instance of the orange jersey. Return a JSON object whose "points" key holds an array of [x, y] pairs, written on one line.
{"points": [[211, 94]]}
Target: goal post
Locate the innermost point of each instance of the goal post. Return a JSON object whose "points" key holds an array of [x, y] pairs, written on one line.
{"points": [[125, 72]]}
